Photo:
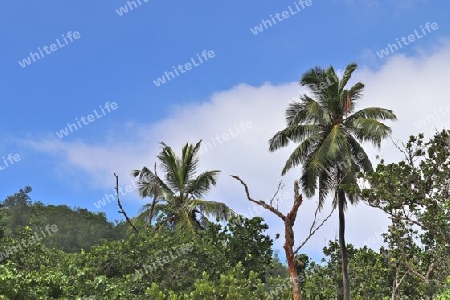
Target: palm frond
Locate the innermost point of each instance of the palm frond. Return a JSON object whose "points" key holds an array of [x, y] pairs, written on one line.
{"points": [[144, 216], [171, 167], [190, 161], [202, 184], [150, 185], [309, 176], [294, 133], [370, 130], [307, 111], [319, 81], [187, 223], [335, 142], [212, 209], [359, 155], [301, 153], [327, 183], [356, 91], [376, 113], [346, 76]]}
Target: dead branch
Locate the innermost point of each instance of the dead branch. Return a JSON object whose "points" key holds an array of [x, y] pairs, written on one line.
{"points": [[122, 211], [260, 202], [280, 186], [313, 230]]}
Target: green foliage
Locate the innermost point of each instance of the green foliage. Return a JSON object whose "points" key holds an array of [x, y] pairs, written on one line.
{"points": [[235, 260], [178, 202], [77, 228], [446, 293], [329, 131], [415, 193], [244, 242], [174, 264], [232, 286]]}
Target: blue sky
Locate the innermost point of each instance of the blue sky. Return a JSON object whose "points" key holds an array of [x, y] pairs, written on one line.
{"points": [[117, 58]]}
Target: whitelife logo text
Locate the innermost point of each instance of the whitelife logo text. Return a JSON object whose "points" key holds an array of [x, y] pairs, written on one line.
{"points": [[90, 118], [124, 9], [265, 24], [11, 158], [187, 66], [411, 38], [53, 47]]}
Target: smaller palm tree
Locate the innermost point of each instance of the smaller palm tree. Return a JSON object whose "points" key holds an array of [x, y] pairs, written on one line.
{"points": [[178, 202]]}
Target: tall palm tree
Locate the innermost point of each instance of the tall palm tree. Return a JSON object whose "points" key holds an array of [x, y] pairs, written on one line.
{"points": [[330, 132], [178, 200]]}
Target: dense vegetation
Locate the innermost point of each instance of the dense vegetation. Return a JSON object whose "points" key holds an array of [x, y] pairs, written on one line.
{"points": [[183, 246], [76, 228]]}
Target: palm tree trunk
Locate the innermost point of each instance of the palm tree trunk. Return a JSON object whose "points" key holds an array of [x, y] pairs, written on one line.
{"points": [[343, 246]]}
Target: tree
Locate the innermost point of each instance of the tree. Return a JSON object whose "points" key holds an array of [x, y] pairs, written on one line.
{"points": [[294, 263], [17, 210], [330, 132], [177, 200], [370, 274], [244, 242], [415, 193]]}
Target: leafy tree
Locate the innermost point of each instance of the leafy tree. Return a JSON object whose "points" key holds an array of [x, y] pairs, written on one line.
{"points": [[244, 242], [370, 274], [319, 282], [415, 193], [17, 210], [233, 285], [330, 131], [277, 268], [178, 199]]}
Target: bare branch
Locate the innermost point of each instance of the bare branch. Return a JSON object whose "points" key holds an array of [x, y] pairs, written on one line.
{"points": [[120, 205], [313, 230], [404, 218], [259, 202], [280, 186]]}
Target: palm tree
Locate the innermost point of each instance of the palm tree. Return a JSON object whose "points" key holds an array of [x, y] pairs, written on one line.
{"points": [[330, 132], [178, 202]]}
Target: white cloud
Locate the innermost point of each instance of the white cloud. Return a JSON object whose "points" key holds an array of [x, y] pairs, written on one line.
{"points": [[411, 86]]}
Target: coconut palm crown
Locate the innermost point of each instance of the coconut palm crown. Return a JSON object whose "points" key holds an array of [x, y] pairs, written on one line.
{"points": [[330, 132], [178, 198]]}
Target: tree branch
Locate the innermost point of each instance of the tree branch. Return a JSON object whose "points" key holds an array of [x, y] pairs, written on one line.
{"points": [[260, 202], [280, 186], [313, 230], [122, 211], [404, 217]]}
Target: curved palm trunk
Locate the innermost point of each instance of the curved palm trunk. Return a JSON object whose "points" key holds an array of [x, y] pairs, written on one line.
{"points": [[342, 244]]}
